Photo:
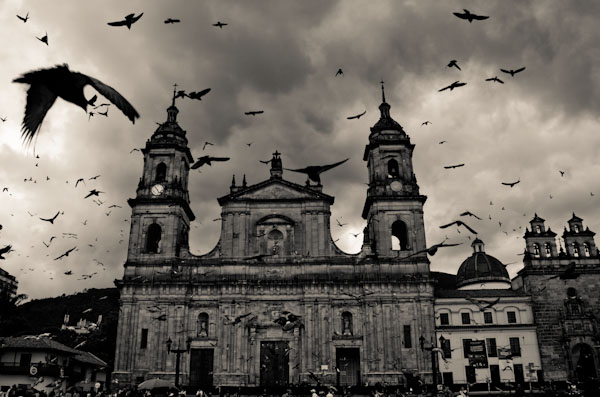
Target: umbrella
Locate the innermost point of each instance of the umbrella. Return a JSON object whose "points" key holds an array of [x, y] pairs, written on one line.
{"points": [[155, 383]]}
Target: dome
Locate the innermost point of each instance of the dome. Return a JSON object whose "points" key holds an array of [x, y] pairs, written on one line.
{"points": [[481, 268]]}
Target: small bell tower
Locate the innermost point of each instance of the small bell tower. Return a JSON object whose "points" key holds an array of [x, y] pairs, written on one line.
{"points": [[393, 207], [161, 213]]}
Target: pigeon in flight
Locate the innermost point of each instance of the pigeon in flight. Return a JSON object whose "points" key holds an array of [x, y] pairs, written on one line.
{"points": [[65, 254], [453, 63], [93, 192], [453, 166], [459, 223], [452, 86], [482, 304], [513, 72], [340, 72], [48, 84], [431, 251], [254, 112], [207, 160], [495, 79], [469, 16], [43, 39], [220, 24], [236, 320], [95, 177], [469, 213], [51, 220], [426, 122], [5, 250], [358, 116], [511, 184], [198, 95], [207, 143], [314, 171], [3, 119], [171, 20], [562, 173], [128, 21], [25, 18]]}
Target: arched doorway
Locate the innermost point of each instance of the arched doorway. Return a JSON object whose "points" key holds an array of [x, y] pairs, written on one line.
{"points": [[583, 362]]}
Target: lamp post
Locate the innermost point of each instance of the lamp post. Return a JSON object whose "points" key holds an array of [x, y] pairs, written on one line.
{"points": [[177, 357], [434, 360]]}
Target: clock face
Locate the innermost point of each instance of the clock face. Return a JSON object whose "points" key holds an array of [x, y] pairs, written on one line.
{"points": [[396, 186], [157, 189]]}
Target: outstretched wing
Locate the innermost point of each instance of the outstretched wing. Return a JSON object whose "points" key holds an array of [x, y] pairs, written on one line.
{"points": [[201, 161], [447, 225], [5, 249], [505, 71], [445, 88], [479, 17], [468, 227], [118, 23], [330, 166], [218, 158], [39, 100], [135, 19], [112, 95], [461, 15], [520, 69]]}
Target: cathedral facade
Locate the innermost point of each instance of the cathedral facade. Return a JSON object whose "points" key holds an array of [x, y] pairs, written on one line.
{"points": [[276, 302]]}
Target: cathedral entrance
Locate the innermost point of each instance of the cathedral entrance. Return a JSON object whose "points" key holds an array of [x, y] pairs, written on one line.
{"points": [[348, 363], [201, 369], [274, 364]]}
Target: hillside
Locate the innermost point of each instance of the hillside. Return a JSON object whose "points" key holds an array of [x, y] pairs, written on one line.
{"points": [[46, 315]]}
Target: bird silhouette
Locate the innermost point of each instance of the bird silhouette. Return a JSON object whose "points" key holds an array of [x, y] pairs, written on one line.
{"points": [[3, 119], [452, 86], [569, 273], [207, 160], [180, 94], [128, 21], [43, 39], [469, 213], [562, 173], [93, 192], [340, 224], [51, 220], [459, 223], [511, 184], [431, 251], [171, 20], [90, 115], [254, 112], [66, 253], [495, 79], [340, 72], [68, 272], [102, 104], [358, 116], [198, 95], [24, 19], [48, 84], [426, 123], [95, 177], [453, 166], [314, 171], [220, 24], [470, 16], [453, 64], [5, 250], [355, 234], [236, 320], [442, 142], [512, 72], [105, 113], [207, 143], [482, 304]]}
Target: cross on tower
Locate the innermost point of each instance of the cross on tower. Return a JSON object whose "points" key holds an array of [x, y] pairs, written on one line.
{"points": [[174, 92], [382, 91]]}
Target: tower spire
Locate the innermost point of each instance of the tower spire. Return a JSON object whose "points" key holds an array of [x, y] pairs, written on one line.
{"points": [[175, 93], [384, 108], [172, 110], [382, 92]]}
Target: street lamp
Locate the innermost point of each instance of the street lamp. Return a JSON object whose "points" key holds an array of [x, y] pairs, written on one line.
{"points": [[434, 350], [177, 357]]}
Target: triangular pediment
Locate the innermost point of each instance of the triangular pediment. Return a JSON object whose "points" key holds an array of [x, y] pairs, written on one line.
{"points": [[276, 189]]}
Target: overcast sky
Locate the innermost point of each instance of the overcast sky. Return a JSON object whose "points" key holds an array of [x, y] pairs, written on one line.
{"points": [[282, 57]]}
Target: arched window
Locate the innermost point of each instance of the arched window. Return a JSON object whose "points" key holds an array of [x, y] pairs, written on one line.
{"points": [[153, 239], [547, 249], [586, 249], [536, 250], [161, 173], [538, 229], [275, 239], [393, 170], [576, 228], [202, 325], [575, 247], [399, 236], [347, 323]]}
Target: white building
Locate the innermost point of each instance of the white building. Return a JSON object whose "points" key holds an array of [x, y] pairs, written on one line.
{"points": [[486, 328]]}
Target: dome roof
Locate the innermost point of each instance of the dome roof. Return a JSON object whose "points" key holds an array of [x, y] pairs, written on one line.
{"points": [[480, 267]]}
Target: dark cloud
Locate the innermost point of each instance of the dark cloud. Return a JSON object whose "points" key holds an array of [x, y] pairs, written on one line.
{"points": [[281, 57]]}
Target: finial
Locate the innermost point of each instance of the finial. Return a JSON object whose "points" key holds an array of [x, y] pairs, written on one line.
{"points": [[276, 154], [233, 181], [276, 166], [174, 93], [382, 91], [244, 184]]}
